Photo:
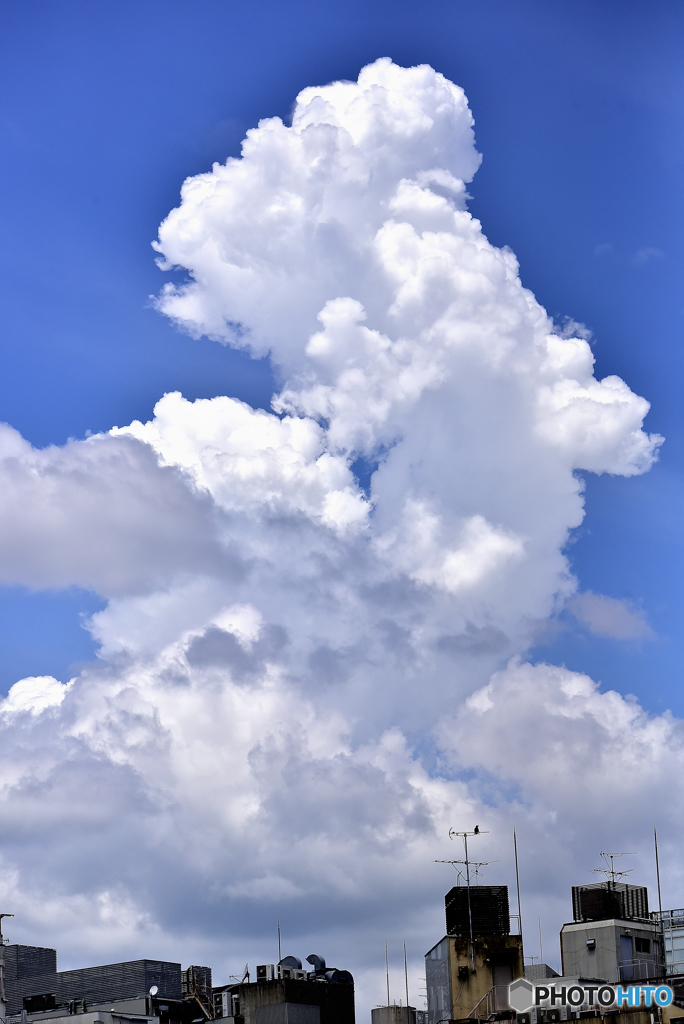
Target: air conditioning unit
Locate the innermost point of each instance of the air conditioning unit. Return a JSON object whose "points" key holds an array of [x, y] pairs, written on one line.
{"points": [[265, 972], [291, 972], [221, 1004]]}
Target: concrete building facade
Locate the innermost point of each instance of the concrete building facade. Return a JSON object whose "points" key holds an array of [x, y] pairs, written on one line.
{"points": [[393, 1015], [613, 936], [613, 950], [293, 1001], [464, 978], [286, 993], [539, 972]]}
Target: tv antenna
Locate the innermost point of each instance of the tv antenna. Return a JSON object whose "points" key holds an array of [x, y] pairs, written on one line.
{"points": [[611, 874], [477, 831], [460, 875], [473, 864]]}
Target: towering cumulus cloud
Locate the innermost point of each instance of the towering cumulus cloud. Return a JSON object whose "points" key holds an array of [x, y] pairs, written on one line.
{"points": [[303, 681]]}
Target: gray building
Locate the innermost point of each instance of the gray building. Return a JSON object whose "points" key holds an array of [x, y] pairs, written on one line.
{"points": [[672, 925], [125, 992], [29, 970], [612, 950], [285, 993], [32, 982], [438, 982], [613, 936], [539, 972], [91, 1017], [393, 1015]]}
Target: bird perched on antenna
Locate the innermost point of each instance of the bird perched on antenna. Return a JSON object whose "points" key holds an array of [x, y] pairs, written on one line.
{"points": [[477, 830]]}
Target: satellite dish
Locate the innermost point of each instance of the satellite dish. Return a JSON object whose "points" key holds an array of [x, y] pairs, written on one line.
{"points": [[154, 989]]}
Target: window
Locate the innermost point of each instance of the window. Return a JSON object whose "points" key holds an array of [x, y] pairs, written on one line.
{"points": [[34, 1004], [642, 945]]}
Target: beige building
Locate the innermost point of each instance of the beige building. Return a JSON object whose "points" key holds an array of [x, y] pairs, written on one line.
{"points": [[464, 979]]}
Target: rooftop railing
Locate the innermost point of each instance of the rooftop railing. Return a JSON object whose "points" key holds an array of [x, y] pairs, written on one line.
{"points": [[640, 969]]}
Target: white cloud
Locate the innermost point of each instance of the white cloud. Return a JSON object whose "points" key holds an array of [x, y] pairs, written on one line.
{"points": [[33, 694], [277, 645], [589, 747], [609, 617], [252, 231], [101, 514], [482, 550], [647, 253], [248, 459]]}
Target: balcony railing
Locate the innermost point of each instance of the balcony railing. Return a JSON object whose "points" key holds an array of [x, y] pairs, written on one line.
{"points": [[669, 918], [640, 969]]}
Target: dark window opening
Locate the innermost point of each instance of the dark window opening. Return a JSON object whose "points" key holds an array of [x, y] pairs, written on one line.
{"points": [[35, 1004]]}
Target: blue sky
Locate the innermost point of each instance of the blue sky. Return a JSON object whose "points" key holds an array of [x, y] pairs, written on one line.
{"points": [[106, 108]]}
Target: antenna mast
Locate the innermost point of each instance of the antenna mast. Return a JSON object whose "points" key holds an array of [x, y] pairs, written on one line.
{"points": [[611, 874], [406, 978], [655, 840], [517, 880], [464, 837]]}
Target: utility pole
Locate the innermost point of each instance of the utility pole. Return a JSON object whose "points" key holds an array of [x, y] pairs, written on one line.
{"points": [[3, 999]]}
